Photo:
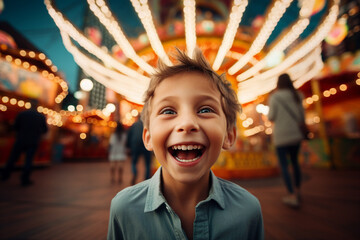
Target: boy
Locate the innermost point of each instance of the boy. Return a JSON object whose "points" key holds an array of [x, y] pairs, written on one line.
{"points": [[189, 116]]}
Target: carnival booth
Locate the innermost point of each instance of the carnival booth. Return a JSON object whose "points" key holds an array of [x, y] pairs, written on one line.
{"points": [[84, 136], [332, 112], [25, 74]]}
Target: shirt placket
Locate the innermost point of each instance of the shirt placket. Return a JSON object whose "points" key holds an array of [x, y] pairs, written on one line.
{"points": [[179, 233], [201, 223]]}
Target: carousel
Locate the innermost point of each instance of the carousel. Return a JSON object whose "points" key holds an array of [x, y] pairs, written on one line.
{"points": [[253, 42]]}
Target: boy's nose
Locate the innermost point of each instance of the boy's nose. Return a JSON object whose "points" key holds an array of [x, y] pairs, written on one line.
{"points": [[188, 123]]}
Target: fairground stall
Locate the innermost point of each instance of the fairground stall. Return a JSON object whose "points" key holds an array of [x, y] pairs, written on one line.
{"points": [[25, 74]]}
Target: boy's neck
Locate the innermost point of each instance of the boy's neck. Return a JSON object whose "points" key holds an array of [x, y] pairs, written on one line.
{"points": [[183, 198], [189, 193]]}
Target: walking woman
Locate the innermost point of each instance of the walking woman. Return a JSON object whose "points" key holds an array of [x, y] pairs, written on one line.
{"points": [[286, 112]]}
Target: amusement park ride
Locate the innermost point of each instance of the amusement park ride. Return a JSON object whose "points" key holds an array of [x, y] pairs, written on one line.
{"points": [[252, 41], [284, 36]]}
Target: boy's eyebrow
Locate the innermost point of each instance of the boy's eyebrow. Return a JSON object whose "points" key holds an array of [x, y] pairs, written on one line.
{"points": [[209, 97], [199, 98]]}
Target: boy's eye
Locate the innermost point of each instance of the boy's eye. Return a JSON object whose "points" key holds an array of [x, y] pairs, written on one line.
{"points": [[167, 111], [206, 110]]}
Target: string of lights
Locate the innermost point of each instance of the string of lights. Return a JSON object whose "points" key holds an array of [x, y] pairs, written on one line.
{"points": [[250, 68]]}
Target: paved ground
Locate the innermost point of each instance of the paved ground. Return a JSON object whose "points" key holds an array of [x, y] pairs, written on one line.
{"points": [[71, 201]]}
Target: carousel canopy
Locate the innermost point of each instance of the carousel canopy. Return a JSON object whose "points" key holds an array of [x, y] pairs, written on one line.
{"points": [[252, 41]]}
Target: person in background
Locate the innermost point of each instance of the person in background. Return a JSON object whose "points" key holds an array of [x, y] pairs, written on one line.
{"points": [[285, 105], [136, 149], [29, 125], [189, 117], [117, 152]]}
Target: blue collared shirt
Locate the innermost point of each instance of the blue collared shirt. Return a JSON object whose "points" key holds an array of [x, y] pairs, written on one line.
{"points": [[141, 212]]}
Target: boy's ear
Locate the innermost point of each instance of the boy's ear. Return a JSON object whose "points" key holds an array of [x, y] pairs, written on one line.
{"points": [[147, 139], [229, 138]]}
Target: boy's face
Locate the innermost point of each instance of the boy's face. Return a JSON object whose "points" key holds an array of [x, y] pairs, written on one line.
{"points": [[187, 127]]}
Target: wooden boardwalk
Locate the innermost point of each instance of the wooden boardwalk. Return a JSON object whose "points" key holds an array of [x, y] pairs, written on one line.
{"points": [[71, 201]]}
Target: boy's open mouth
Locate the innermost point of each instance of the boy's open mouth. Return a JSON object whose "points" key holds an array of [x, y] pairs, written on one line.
{"points": [[186, 153]]}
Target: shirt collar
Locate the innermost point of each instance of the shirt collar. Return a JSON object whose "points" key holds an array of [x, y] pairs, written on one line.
{"points": [[216, 191], [155, 198]]}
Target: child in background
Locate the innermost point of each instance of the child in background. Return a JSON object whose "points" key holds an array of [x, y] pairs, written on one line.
{"points": [[189, 117], [117, 152]]}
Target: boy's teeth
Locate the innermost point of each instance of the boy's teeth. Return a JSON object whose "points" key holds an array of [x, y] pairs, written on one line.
{"points": [[186, 147], [186, 160], [187, 153]]}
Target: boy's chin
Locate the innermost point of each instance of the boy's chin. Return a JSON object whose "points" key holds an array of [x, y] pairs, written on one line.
{"points": [[189, 178]]}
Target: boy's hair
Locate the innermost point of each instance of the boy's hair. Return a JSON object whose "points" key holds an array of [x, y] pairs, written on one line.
{"points": [[229, 100]]}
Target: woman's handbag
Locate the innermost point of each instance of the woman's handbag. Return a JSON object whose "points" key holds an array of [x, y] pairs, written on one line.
{"points": [[304, 130]]}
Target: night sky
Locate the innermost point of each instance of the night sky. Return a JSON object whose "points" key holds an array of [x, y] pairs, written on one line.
{"points": [[31, 18]]}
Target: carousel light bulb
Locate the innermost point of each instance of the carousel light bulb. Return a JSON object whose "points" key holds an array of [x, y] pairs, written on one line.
{"points": [[13, 101], [48, 62], [8, 58], [42, 56], [3, 108], [27, 105], [343, 87], [31, 54], [79, 95], [242, 116], [106, 112], [71, 108], [21, 103], [268, 131], [267, 124], [316, 119], [5, 99], [86, 85], [315, 97], [17, 61], [82, 135], [134, 113], [111, 107], [79, 108]]}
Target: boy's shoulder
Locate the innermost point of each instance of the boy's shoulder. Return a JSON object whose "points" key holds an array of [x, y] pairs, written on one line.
{"points": [[132, 197], [233, 193]]}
